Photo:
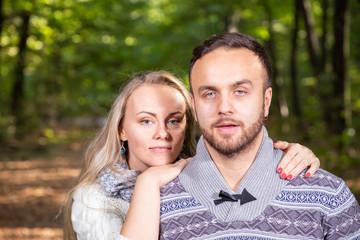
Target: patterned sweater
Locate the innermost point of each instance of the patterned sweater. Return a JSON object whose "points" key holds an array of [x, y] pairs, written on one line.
{"points": [[320, 207]]}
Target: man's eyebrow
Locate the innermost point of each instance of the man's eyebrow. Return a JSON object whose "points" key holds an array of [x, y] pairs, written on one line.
{"points": [[237, 83], [243, 81], [206, 87]]}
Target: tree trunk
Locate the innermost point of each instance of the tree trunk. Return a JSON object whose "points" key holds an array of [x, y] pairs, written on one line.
{"points": [[340, 57], [312, 39], [316, 58], [2, 18], [277, 80], [232, 21], [293, 66], [18, 88], [325, 6]]}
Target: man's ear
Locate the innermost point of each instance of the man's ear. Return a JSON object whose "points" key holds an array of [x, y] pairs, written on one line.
{"points": [[267, 101], [193, 106]]}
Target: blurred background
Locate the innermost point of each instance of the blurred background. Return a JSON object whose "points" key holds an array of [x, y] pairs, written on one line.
{"points": [[62, 62]]}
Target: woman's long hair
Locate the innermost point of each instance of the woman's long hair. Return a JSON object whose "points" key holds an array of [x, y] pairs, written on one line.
{"points": [[104, 150]]}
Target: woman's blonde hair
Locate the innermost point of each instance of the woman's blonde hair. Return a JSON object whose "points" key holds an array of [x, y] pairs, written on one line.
{"points": [[105, 149]]}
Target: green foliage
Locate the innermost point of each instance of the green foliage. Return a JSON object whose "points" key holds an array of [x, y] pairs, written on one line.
{"points": [[79, 53]]}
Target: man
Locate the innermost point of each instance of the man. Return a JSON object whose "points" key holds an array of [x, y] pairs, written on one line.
{"points": [[231, 190]]}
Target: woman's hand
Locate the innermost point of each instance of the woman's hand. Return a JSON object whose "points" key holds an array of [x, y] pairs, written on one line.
{"points": [[162, 175], [143, 218], [296, 159]]}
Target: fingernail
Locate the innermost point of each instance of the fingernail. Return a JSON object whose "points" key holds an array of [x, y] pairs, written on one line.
{"points": [[289, 177], [280, 170], [307, 175], [283, 176]]}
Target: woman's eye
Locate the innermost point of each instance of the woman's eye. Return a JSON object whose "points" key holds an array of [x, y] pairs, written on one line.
{"points": [[146, 122], [174, 121]]}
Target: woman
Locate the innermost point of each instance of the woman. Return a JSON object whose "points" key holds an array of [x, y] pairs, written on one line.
{"points": [[149, 126]]}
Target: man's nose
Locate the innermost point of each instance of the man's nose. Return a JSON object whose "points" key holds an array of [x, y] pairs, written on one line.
{"points": [[224, 105]]}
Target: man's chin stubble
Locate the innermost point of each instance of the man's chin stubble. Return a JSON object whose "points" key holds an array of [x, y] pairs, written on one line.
{"points": [[230, 150]]}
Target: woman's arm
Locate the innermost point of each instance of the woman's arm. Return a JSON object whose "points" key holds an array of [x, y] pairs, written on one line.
{"points": [[296, 159], [95, 215], [143, 218]]}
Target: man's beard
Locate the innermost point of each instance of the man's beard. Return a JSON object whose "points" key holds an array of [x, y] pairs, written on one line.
{"points": [[230, 147]]}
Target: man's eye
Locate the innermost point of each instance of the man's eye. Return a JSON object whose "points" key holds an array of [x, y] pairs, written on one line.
{"points": [[240, 92], [210, 94]]}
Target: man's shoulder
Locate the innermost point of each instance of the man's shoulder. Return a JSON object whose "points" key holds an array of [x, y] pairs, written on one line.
{"points": [[171, 188], [322, 179], [321, 191]]}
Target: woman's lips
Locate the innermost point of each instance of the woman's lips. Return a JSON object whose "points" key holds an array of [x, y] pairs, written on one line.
{"points": [[160, 149]]}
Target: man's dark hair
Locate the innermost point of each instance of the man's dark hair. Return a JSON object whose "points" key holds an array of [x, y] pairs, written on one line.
{"points": [[232, 41]]}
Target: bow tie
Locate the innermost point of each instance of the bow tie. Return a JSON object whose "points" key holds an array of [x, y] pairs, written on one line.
{"points": [[244, 197]]}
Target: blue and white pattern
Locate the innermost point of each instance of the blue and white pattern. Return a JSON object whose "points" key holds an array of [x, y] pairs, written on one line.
{"points": [[328, 201], [171, 207], [183, 218], [119, 181]]}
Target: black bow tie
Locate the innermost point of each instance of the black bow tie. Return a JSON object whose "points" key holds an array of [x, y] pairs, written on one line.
{"points": [[244, 197]]}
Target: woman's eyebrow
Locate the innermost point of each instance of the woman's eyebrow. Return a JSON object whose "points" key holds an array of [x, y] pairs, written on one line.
{"points": [[154, 114], [178, 112], [150, 113]]}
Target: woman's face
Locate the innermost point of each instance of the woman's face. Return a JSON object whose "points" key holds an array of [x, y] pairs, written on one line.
{"points": [[154, 126]]}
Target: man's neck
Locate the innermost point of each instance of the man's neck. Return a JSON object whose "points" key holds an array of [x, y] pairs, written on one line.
{"points": [[234, 168]]}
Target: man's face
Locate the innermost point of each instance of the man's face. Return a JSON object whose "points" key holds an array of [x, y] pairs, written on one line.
{"points": [[229, 99]]}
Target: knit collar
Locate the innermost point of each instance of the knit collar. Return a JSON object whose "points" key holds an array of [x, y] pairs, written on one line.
{"points": [[203, 181], [119, 181]]}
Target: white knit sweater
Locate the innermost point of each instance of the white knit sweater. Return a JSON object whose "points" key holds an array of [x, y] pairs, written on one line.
{"points": [[96, 215]]}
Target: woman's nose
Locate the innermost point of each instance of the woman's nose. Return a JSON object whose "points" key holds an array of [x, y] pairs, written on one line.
{"points": [[162, 132]]}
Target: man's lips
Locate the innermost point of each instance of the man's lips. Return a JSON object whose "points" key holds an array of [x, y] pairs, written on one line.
{"points": [[226, 125], [227, 122]]}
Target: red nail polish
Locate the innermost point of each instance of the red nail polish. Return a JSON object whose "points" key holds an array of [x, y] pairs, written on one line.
{"points": [[289, 177], [280, 170], [307, 175], [283, 176]]}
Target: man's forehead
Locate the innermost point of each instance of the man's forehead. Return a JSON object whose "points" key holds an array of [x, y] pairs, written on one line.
{"points": [[232, 66]]}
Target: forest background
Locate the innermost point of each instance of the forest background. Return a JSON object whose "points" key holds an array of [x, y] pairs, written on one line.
{"points": [[62, 62]]}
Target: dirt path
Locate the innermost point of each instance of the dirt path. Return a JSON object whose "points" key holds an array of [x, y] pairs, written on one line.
{"points": [[32, 191]]}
